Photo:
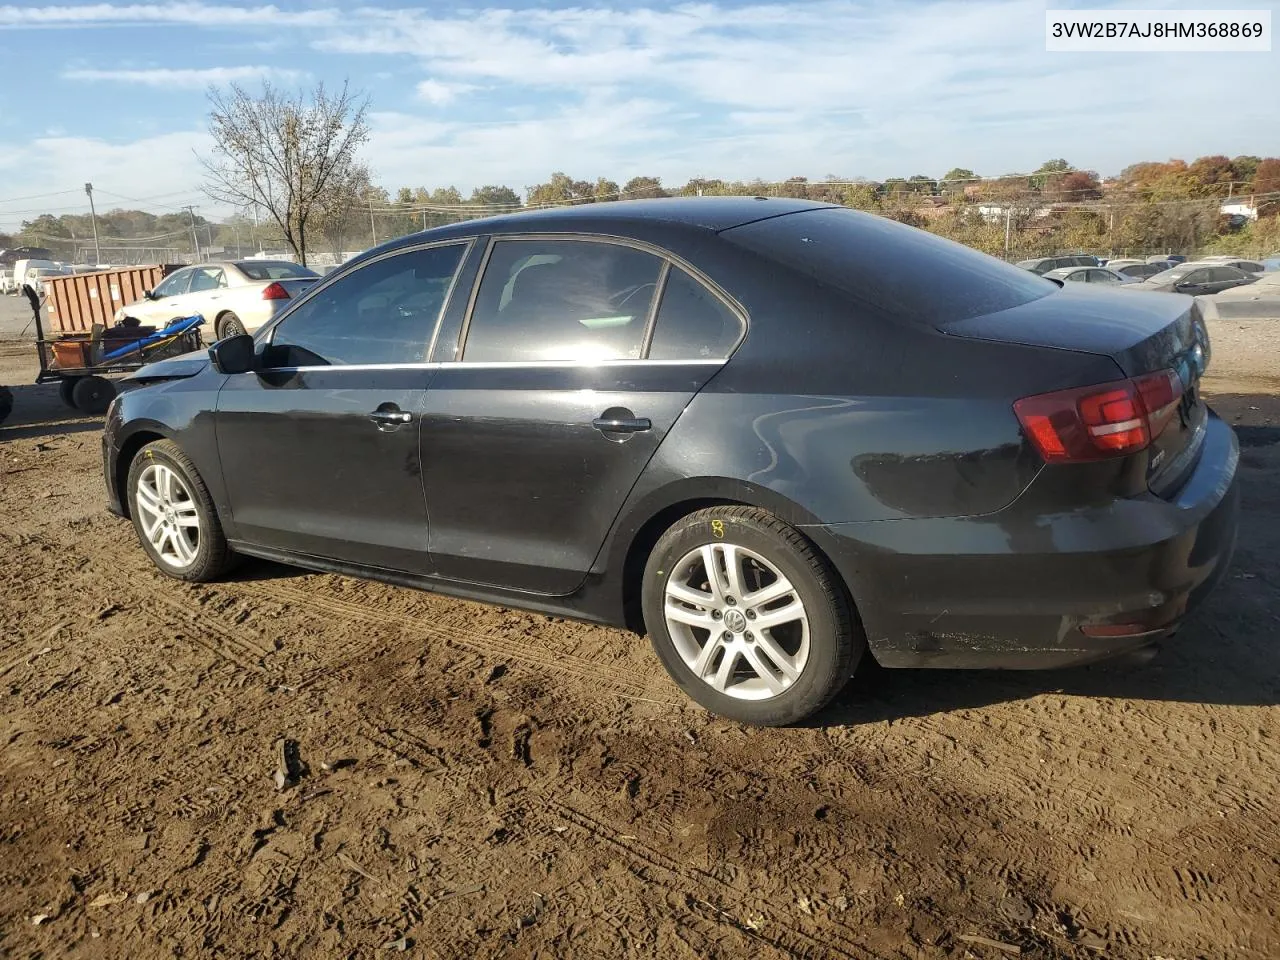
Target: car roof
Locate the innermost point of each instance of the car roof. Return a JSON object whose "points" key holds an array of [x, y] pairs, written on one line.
{"points": [[1062, 272], [708, 213]]}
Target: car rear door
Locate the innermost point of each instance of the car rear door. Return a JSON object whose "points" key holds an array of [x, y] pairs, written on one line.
{"points": [[166, 299], [569, 370], [320, 447]]}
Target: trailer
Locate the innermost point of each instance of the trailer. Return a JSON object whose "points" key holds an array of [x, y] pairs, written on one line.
{"points": [[82, 363], [83, 347]]}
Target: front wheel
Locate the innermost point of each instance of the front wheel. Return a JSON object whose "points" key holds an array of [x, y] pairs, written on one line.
{"points": [[174, 516], [748, 617]]}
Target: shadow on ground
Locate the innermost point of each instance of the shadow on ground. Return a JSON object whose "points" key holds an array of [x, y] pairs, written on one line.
{"points": [[38, 411]]}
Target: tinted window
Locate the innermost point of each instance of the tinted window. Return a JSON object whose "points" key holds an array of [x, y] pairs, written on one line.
{"points": [[384, 312], [561, 300], [274, 270], [891, 268], [174, 284], [1219, 274], [1195, 276], [693, 323], [206, 278], [1101, 276], [1249, 266], [1084, 261]]}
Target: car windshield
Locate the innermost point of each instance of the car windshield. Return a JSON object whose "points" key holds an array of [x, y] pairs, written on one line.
{"points": [[276, 270], [1166, 276], [892, 268]]}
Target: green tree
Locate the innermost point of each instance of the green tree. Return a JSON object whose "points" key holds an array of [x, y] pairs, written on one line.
{"points": [[643, 188], [495, 196]]}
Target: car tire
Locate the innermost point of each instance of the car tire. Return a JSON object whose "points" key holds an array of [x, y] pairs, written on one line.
{"points": [[6, 403], [228, 325], [166, 494], [66, 391], [694, 629], [92, 395]]}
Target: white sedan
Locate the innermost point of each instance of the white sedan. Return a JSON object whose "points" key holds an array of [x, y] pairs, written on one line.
{"points": [[234, 297]]}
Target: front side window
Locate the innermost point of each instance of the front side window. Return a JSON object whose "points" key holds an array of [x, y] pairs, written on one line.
{"points": [[693, 323], [385, 312], [566, 300], [174, 284], [1226, 274]]}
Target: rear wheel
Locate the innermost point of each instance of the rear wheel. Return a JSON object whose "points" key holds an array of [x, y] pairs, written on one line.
{"points": [[66, 388], [228, 325], [6, 403], [92, 395], [173, 514], [747, 616]]}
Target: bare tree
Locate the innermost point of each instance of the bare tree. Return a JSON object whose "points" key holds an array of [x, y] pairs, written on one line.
{"points": [[285, 153]]}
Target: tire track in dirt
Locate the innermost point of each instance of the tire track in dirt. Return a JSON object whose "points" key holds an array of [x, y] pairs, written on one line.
{"points": [[453, 630], [702, 887]]}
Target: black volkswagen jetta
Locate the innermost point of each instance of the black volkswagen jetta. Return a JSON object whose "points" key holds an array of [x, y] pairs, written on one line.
{"points": [[773, 434]]}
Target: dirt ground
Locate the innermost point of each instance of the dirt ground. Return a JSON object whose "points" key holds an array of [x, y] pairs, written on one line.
{"points": [[481, 782]]}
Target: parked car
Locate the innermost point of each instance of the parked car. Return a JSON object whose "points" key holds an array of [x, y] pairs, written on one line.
{"points": [[21, 267], [1099, 275], [1247, 266], [234, 297], [1043, 265], [1196, 278], [745, 426], [7, 283], [1142, 270], [1170, 257]]}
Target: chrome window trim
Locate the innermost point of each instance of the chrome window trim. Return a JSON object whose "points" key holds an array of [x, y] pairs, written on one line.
{"points": [[503, 365], [268, 331]]}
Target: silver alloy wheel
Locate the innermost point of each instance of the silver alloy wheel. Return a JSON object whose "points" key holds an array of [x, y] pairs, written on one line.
{"points": [[736, 621], [168, 515]]}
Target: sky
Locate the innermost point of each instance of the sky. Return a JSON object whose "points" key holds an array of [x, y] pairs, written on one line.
{"points": [[116, 94]]}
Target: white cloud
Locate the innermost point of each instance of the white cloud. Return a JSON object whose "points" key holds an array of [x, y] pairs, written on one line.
{"points": [[183, 77], [194, 14], [441, 92], [766, 89]]}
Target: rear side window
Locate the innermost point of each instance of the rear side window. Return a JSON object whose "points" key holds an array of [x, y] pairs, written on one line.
{"points": [[1249, 266], [1219, 274], [561, 300], [693, 323], [385, 312], [891, 268]]}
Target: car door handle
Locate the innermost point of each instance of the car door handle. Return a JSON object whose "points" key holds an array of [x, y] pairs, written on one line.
{"points": [[622, 424], [390, 416]]}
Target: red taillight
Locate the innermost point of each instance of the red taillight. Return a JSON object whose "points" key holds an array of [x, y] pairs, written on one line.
{"points": [[275, 291], [1105, 420]]}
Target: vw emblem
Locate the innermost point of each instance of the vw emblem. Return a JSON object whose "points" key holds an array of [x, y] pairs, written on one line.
{"points": [[735, 621]]}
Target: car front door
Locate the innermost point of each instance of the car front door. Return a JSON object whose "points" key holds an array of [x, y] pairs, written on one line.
{"points": [[548, 406], [320, 445], [165, 301], [1224, 278]]}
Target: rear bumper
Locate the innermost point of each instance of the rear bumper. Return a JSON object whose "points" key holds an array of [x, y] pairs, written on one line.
{"points": [[1013, 591]]}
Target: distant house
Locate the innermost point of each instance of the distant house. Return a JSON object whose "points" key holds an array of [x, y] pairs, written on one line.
{"points": [[1240, 208], [995, 212]]}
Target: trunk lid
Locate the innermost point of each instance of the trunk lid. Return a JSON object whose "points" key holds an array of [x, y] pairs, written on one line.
{"points": [[1142, 333], [294, 286]]}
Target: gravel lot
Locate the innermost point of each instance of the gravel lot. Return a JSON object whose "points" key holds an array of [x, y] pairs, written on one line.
{"points": [[481, 782]]}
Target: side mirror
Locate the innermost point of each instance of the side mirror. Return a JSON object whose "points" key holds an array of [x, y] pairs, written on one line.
{"points": [[149, 295], [234, 354]]}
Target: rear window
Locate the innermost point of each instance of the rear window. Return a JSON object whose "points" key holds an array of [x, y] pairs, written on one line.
{"points": [[892, 268], [276, 270]]}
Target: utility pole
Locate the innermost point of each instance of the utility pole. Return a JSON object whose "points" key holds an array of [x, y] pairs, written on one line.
{"points": [[93, 215], [195, 240], [373, 231], [1008, 224]]}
